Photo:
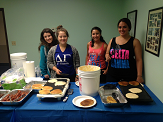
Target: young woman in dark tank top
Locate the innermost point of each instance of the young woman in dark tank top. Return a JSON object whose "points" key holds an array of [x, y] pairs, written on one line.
{"points": [[124, 54]]}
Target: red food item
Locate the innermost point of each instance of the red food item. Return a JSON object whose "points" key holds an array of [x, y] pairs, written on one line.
{"points": [[6, 98], [15, 96], [1, 95]]}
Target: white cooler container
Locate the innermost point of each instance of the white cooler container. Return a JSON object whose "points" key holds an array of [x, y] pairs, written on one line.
{"points": [[89, 80], [17, 59]]}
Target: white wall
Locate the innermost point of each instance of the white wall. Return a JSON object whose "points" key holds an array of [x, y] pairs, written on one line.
{"points": [[153, 65], [26, 19]]}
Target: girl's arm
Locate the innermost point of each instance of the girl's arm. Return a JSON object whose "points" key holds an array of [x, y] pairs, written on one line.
{"points": [[107, 56], [87, 56], [43, 63], [138, 56], [51, 60]]}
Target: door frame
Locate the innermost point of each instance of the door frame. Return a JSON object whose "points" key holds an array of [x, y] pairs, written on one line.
{"points": [[4, 24]]}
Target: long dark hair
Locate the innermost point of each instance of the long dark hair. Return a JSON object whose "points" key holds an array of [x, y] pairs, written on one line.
{"points": [[42, 40], [101, 38], [126, 20]]}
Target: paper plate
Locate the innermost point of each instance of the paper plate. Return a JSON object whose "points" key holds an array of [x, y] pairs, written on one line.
{"points": [[77, 100], [77, 83]]}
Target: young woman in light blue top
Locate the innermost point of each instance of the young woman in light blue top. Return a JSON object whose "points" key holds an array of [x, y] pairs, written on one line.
{"points": [[48, 40]]}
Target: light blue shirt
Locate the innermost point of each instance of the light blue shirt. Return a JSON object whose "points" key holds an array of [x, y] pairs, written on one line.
{"points": [[43, 60]]}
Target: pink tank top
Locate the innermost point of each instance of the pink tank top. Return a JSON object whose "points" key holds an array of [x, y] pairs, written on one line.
{"points": [[97, 56]]}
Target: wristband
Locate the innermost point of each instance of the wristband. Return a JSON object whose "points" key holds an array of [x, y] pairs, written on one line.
{"points": [[76, 74], [139, 76]]}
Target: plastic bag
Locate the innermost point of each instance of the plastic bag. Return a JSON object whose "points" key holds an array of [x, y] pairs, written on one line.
{"points": [[13, 79], [13, 75]]}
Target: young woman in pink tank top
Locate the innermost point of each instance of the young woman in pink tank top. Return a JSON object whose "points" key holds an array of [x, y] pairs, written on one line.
{"points": [[96, 50]]}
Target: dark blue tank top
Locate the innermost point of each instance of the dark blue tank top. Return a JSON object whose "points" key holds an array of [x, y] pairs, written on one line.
{"points": [[64, 60]]}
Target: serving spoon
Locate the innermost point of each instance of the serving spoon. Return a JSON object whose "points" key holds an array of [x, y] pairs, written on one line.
{"points": [[70, 91]]}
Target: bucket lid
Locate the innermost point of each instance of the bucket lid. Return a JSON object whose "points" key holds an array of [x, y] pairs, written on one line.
{"points": [[18, 55], [89, 68]]}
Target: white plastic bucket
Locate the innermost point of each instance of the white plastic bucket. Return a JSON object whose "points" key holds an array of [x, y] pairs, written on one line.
{"points": [[89, 80], [17, 59]]}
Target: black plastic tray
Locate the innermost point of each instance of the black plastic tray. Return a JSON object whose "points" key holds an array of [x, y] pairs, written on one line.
{"points": [[143, 96], [61, 87], [55, 87]]}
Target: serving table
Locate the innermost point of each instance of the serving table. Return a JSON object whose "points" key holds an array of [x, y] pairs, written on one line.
{"points": [[6, 113], [50, 110]]}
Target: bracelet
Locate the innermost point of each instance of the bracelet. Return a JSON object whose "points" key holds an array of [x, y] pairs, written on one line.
{"points": [[77, 76], [139, 76]]}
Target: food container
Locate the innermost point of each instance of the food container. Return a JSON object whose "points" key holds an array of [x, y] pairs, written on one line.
{"points": [[121, 100], [23, 96], [89, 80], [143, 96], [29, 85], [3, 92], [63, 88]]}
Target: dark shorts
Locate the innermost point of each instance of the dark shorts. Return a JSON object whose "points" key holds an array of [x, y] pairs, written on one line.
{"points": [[111, 78], [102, 77]]}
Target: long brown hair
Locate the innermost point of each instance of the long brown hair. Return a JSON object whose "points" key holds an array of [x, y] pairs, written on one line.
{"points": [[42, 40]]}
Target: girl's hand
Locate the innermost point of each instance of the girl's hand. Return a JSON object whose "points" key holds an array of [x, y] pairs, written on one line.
{"points": [[76, 78], [140, 79], [108, 58], [105, 71], [58, 71], [46, 76]]}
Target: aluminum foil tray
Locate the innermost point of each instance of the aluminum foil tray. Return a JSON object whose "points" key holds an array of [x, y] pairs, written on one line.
{"points": [[12, 102], [29, 85], [3, 92], [105, 93], [58, 96]]}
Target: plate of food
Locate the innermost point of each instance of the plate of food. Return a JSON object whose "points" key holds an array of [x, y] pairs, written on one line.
{"points": [[84, 101]]}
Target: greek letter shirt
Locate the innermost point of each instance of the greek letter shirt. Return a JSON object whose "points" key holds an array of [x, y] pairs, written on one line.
{"points": [[64, 60], [122, 62]]}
